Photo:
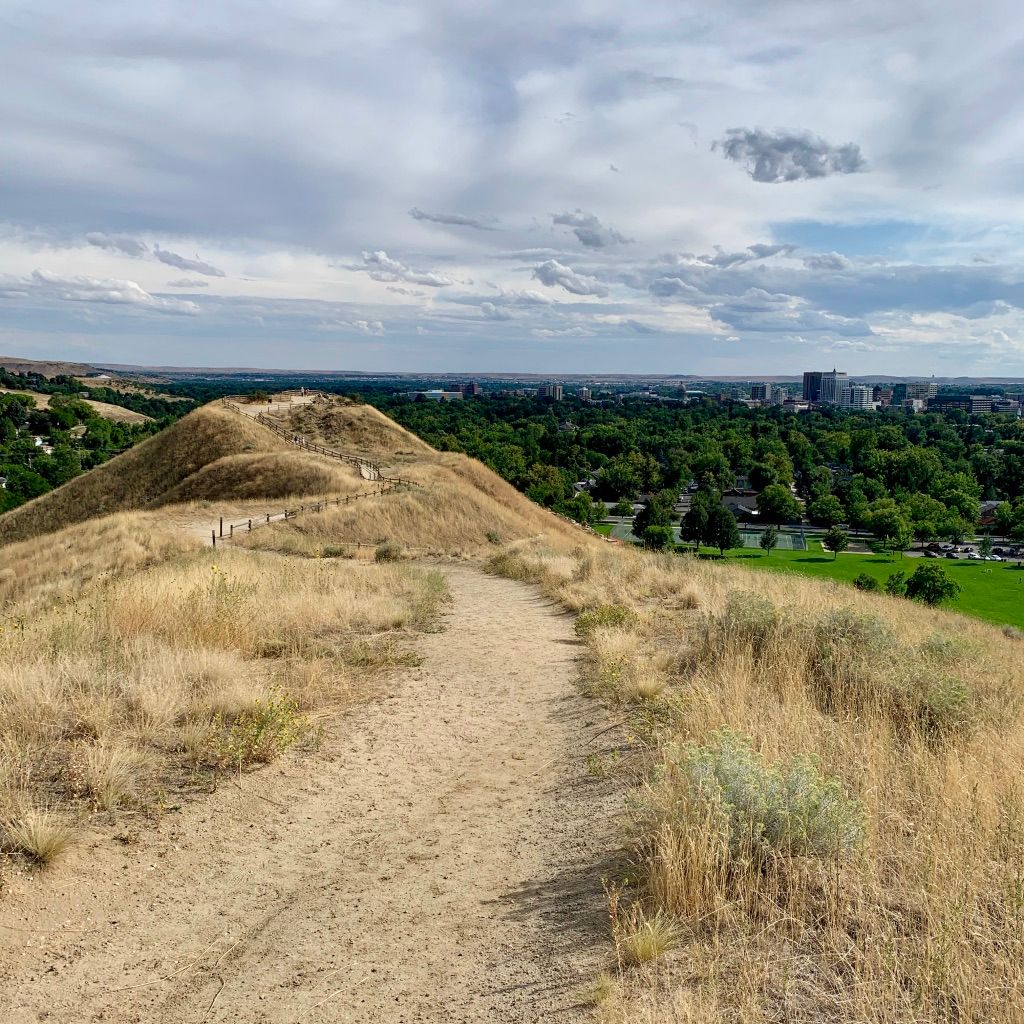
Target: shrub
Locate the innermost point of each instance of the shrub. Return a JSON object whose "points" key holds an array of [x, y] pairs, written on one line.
{"points": [[261, 733], [748, 621], [865, 582], [896, 584], [930, 583], [514, 567], [604, 615], [768, 810], [641, 939], [389, 551], [493, 537], [945, 707], [336, 551], [850, 660]]}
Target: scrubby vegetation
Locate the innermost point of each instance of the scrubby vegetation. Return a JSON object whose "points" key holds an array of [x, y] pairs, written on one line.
{"points": [[827, 822], [143, 686]]}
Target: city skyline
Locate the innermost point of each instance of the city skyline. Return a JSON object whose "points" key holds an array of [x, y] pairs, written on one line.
{"points": [[435, 187]]}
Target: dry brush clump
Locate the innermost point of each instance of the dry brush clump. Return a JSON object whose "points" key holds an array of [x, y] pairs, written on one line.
{"points": [[829, 808], [154, 681]]}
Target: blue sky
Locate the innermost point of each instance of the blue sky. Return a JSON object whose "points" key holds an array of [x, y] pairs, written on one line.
{"points": [[470, 186]]}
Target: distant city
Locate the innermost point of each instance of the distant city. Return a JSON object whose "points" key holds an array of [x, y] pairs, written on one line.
{"points": [[818, 388]]}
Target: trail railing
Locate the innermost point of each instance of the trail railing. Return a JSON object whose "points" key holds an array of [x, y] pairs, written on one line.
{"points": [[226, 531]]}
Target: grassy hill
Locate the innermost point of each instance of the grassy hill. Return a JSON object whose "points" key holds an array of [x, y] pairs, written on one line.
{"points": [[210, 454]]}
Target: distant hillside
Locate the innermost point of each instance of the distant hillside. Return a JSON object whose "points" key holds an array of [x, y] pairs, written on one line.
{"points": [[210, 454]]}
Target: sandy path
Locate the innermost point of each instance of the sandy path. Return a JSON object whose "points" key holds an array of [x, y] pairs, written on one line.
{"points": [[438, 860]]}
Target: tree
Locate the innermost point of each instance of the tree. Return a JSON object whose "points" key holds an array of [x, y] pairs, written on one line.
{"points": [[836, 540], [777, 505], [657, 538], [693, 527], [722, 531], [985, 546], [900, 540], [656, 513], [769, 538], [896, 583], [930, 583], [826, 511], [623, 508]]}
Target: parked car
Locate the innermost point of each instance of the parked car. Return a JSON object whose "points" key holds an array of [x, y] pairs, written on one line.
{"points": [[928, 553], [974, 556], [994, 558], [1000, 551], [953, 554]]}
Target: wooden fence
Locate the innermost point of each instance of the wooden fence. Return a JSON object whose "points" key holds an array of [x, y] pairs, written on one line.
{"points": [[226, 531]]}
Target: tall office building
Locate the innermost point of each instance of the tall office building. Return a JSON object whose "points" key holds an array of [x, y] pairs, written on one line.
{"points": [[761, 392], [583, 394], [812, 386], [856, 396], [832, 387]]}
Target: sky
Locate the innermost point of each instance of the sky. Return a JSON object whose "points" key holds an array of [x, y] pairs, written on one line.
{"points": [[461, 185]]}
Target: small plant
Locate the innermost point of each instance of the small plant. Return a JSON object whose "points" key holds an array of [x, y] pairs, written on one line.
{"points": [[40, 835], [640, 939], [945, 708], [389, 551], [494, 537], [614, 615], [336, 551], [766, 810], [863, 581], [514, 567], [261, 733]]}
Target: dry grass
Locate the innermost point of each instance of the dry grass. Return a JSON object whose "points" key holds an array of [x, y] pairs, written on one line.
{"points": [[212, 453], [116, 413], [155, 679], [829, 809], [53, 568]]}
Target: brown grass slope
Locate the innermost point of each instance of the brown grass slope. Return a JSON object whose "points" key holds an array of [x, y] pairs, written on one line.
{"points": [[460, 508], [210, 454]]}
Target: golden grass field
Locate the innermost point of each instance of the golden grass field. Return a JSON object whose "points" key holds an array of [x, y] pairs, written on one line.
{"points": [[145, 686], [827, 821], [825, 815]]}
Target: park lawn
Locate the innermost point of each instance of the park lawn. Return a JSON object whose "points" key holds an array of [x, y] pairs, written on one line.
{"points": [[605, 529], [996, 596]]}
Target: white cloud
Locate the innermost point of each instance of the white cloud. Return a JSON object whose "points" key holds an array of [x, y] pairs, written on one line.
{"points": [[113, 292], [381, 267], [197, 266]]}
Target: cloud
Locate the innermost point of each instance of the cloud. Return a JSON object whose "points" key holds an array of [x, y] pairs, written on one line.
{"points": [[374, 328], [758, 251], [493, 312], [381, 267], [675, 288], [827, 261], [114, 292], [788, 156], [554, 274], [188, 282], [117, 243], [453, 219], [197, 266], [761, 251], [589, 230]]}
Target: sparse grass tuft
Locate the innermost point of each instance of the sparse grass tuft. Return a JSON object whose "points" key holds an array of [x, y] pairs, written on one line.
{"points": [[641, 939], [388, 552], [40, 835]]}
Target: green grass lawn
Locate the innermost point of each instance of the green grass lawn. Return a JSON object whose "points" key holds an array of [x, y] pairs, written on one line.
{"points": [[605, 529], [996, 595]]}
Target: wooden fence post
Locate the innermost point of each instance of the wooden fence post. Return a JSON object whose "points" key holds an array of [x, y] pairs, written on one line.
{"points": [[214, 532], [232, 529], [250, 526], [222, 526]]}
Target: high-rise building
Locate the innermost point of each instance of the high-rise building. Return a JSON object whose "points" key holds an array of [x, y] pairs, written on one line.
{"points": [[779, 395], [812, 386], [761, 392], [553, 391], [981, 403], [947, 403], [857, 396], [472, 388], [583, 394], [882, 395], [832, 385]]}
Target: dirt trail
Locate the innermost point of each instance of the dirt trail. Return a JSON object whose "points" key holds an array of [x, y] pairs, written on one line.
{"points": [[438, 860]]}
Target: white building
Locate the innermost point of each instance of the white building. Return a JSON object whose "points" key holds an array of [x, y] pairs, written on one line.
{"points": [[856, 396]]}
